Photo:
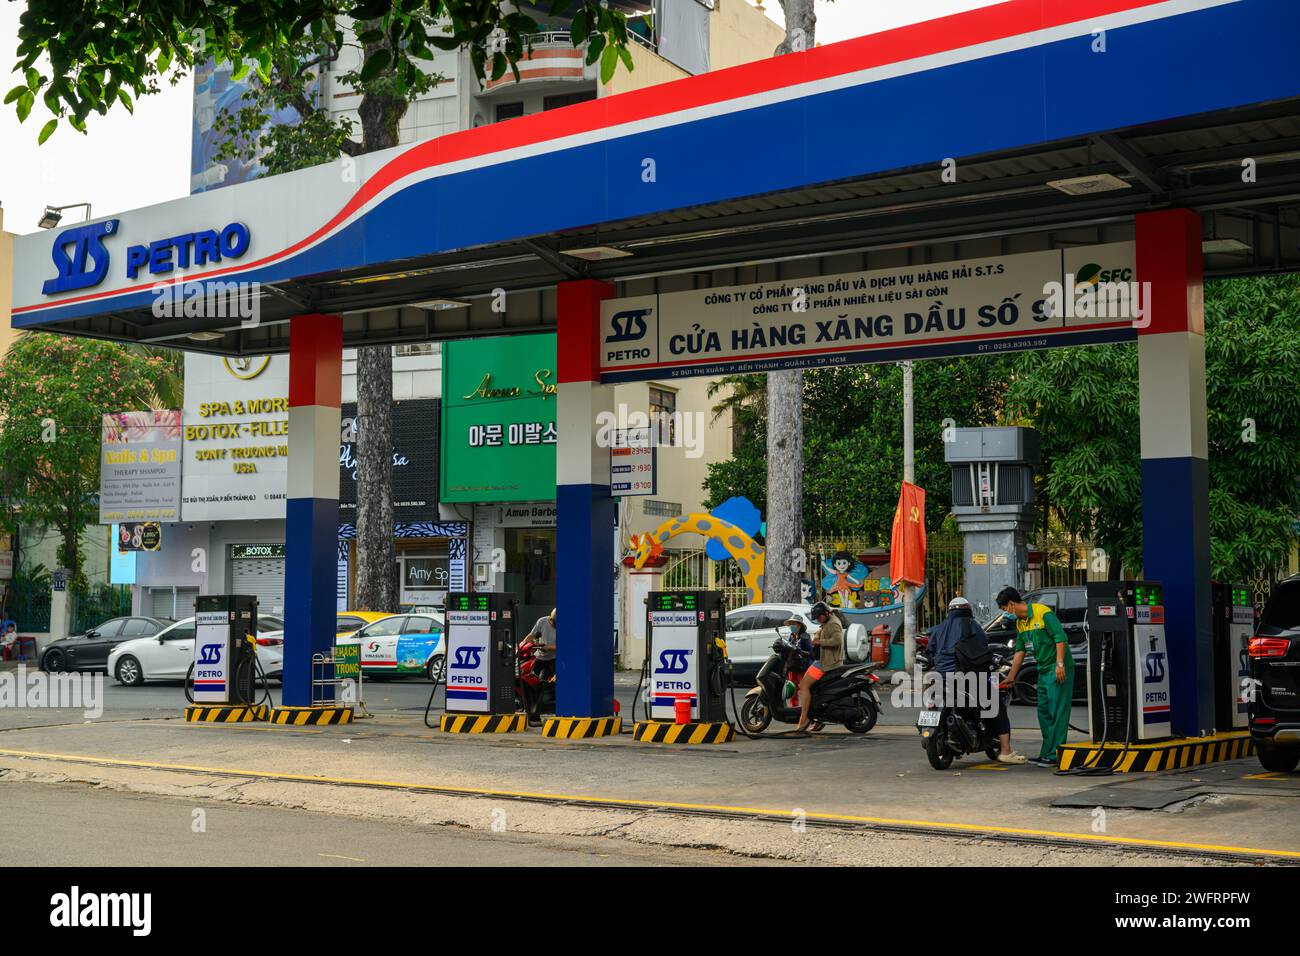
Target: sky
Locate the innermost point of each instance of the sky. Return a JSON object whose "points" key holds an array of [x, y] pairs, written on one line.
{"points": [[125, 161]]}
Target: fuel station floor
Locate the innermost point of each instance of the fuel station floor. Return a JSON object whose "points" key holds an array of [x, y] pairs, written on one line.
{"points": [[878, 781]]}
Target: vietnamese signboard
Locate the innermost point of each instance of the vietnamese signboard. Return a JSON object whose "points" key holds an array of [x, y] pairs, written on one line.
{"points": [[632, 462], [415, 461], [498, 419], [140, 466], [976, 306], [236, 428]]}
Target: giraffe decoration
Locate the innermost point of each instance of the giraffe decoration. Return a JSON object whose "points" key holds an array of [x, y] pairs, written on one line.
{"points": [[748, 555]]}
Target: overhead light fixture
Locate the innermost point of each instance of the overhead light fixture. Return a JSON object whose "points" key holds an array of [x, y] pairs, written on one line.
{"points": [[437, 305], [53, 214], [1232, 247], [596, 253], [205, 336], [1087, 185]]}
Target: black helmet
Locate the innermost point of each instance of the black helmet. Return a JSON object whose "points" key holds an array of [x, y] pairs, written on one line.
{"points": [[818, 609]]}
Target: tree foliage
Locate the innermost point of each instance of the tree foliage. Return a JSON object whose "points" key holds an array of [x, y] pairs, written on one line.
{"points": [[54, 391], [96, 55]]}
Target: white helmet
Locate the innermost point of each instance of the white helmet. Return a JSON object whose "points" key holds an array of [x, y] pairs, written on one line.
{"points": [[958, 602]]}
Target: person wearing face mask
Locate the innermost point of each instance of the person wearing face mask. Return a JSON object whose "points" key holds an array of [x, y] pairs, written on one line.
{"points": [[1038, 630]]}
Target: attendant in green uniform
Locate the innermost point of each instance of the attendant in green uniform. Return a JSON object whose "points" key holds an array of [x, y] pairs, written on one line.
{"points": [[1037, 629]]}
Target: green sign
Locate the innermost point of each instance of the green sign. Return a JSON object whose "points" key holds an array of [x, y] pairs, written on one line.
{"points": [[498, 419], [347, 661]]}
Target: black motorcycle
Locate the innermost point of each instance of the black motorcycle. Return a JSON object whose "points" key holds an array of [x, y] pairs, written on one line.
{"points": [[949, 732], [845, 695]]}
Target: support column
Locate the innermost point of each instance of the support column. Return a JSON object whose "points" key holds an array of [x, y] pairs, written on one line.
{"points": [[585, 511], [312, 509], [1175, 469]]}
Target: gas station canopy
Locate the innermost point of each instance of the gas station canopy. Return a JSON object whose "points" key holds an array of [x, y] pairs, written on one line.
{"points": [[1031, 124]]}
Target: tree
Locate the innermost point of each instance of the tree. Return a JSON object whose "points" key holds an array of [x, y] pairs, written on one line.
{"points": [[54, 391], [785, 424], [96, 55]]}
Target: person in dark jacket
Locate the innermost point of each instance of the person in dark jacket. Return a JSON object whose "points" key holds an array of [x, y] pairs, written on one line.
{"points": [[942, 650]]}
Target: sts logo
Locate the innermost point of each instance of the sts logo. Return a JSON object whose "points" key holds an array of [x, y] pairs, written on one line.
{"points": [[80, 257], [467, 658], [629, 326], [674, 661], [210, 654], [1155, 668]]}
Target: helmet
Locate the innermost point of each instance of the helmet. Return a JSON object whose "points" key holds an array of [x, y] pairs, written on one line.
{"points": [[957, 602], [818, 609]]}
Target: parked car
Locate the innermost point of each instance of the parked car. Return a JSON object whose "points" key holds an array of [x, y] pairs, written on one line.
{"points": [[89, 651], [169, 654], [752, 629], [1070, 605], [349, 622], [401, 644], [1275, 667]]}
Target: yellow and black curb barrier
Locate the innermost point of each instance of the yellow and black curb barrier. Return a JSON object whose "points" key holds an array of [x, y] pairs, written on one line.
{"points": [[570, 728], [224, 714], [484, 723], [305, 716], [1162, 755], [665, 732]]}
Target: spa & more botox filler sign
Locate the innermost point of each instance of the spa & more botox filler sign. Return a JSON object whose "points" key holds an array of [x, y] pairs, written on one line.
{"points": [[966, 307]]}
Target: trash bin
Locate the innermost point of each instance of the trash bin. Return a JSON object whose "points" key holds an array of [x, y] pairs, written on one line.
{"points": [[880, 638]]}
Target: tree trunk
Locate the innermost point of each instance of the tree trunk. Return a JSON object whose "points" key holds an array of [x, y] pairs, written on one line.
{"points": [[784, 567], [376, 588], [376, 583], [782, 571]]}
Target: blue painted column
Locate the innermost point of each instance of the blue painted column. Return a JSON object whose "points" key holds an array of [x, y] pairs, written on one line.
{"points": [[312, 509], [584, 681], [1175, 469]]}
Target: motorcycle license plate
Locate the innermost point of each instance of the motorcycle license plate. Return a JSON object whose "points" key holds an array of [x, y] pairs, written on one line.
{"points": [[928, 718]]}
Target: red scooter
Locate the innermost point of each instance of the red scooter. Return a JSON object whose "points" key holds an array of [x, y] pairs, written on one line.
{"points": [[534, 680]]}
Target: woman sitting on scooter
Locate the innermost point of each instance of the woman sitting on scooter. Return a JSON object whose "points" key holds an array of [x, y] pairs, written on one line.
{"points": [[830, 653]]}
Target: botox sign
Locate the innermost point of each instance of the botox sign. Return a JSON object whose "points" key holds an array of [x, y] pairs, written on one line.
{"points": [[968, 307]]}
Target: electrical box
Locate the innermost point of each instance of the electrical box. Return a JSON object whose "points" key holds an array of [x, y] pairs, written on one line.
{"points": [[225, 649], [688, 650], [481, 653], [1128, 662], [1234, 623]]}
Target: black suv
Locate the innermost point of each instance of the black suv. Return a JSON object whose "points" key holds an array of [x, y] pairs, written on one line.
{"points": [[1070, 604], [1275, 671]]}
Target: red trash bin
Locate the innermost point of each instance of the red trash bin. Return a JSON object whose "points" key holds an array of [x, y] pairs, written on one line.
{"points": [[682, 711], [880, 638]]}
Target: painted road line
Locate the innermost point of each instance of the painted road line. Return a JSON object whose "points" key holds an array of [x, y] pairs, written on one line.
{"points": [[932, 827]]}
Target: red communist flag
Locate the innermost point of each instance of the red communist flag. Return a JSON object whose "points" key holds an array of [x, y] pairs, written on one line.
{"points": [[907, 543]]}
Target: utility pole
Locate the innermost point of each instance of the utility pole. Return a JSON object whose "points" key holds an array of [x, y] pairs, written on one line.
{"points": [[909, 474]]}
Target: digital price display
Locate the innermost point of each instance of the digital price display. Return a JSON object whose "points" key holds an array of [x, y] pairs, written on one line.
{"points": [[468, 602], [1149, 595], [674, 602]]}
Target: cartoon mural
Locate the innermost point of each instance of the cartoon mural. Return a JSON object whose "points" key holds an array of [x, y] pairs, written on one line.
{"points": [[733, 539]]}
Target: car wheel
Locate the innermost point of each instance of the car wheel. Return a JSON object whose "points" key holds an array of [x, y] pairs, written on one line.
{"points": [[129, 672], [1278, 759], [54, 661], [436, 669], [1026, 690]]}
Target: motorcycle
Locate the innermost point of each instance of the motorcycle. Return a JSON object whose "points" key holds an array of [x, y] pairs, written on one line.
{"points": [[534, 689], [949, 732], [845, 695]]}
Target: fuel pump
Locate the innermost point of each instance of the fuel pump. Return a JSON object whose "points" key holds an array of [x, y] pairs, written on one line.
{"points": [[1128, 662], [225, 650], [481, 653], [1234, 623], [687, 654]]}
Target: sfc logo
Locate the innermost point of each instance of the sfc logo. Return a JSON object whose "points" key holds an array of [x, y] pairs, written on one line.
{"points": [[210, 654], [1155, 668], [629, 325], [467, 658], [674, 661], [80, 257]]}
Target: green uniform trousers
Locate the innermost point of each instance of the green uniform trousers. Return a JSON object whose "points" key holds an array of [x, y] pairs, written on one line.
{"points": [[1054, 702]]}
